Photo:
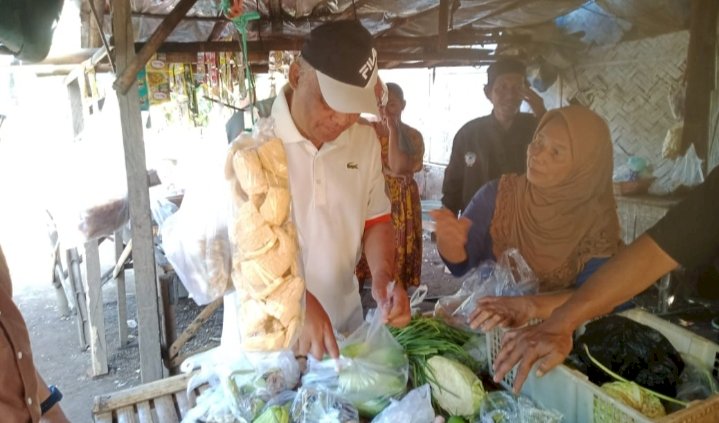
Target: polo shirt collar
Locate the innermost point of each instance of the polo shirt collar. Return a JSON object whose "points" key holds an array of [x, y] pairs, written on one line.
{"points": [[285, 127]]}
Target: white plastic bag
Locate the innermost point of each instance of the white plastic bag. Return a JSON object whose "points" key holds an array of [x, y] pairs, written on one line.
{"points": [[195, 238], [671, 174], [415, 407], [91, 197], [317, 405]]}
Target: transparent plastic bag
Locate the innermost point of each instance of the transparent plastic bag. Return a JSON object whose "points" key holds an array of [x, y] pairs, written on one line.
{"points": [[317, 405], [240, 384], [501, 406], [266, 266], [509, 277], [371, 370], [696, 381], [415, 407], [672, 174], [195, 238]]}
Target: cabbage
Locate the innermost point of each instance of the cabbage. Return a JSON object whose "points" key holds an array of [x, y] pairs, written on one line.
{"points": [[632, 395], [455, 388], [274, 414]]}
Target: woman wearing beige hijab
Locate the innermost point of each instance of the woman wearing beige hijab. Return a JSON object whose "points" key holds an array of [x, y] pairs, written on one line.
{"points": [[560, 215]]}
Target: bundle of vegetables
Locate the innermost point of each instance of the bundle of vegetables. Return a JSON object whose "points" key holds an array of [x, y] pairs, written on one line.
{"points": [[436, 352], [426, 337], [371, 371]]}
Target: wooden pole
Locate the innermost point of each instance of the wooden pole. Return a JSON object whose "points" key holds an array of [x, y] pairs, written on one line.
{"points": [[129, 74], [95, 314], [700, 76], [143, 252], [443, 24]]}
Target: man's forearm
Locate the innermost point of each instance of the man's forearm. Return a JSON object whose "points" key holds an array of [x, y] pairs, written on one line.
{"points": [[630, 272], [379, 249]]}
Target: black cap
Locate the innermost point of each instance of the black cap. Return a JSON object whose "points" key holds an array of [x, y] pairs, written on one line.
{"points": [[503, 66], [343, 54]]}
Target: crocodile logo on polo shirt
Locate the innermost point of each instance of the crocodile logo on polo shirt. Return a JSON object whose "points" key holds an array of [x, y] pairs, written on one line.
{"points": [[352, 165]]}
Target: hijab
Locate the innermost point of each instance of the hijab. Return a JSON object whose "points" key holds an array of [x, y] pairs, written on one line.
{"points": [[558, 229]]}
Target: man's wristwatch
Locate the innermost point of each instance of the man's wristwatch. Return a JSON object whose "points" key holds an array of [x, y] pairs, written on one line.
{"points": [[54, 398]]}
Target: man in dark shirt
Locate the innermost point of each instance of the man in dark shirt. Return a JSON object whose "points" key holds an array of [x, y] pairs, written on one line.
{"points": [[687, 235], [489, 146]]}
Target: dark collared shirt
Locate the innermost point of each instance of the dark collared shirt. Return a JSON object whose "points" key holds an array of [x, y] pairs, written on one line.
{"points": [[483, 151]]}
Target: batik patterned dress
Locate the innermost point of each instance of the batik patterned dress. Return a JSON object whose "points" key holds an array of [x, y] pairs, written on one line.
{"points": [[406, 215]]}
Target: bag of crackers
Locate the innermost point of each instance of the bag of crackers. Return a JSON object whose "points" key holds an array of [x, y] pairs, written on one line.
{"points": [[266, 266]]}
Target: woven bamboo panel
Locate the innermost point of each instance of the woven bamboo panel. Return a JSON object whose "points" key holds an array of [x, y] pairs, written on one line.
{"points": [[629, 84]]}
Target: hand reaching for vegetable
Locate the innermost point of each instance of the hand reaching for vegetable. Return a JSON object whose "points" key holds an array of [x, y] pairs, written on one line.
{"points": [[393, 302], [503, 312], [451, 234], [547, 344], [317, 337]]}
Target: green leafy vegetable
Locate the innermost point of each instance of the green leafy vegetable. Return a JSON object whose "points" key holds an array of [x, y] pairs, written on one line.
{"points": [[426, 337], [274, 414], [459, 392], [634, 396]]}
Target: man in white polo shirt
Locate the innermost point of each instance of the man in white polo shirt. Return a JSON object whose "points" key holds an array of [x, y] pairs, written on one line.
{"points": [[338, 191]]}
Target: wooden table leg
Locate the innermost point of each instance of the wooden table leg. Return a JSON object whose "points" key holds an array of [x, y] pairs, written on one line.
{"points": [[95, 315]]}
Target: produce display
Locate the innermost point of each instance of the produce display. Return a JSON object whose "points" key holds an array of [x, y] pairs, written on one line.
{"points": [[265, 271]]}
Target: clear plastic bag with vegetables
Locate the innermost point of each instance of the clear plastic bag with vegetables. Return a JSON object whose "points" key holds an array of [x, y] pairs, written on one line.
{"points": [[510, 276], [240, 384], [318, 405], [371, 370], [278, 409], [503, 407]]}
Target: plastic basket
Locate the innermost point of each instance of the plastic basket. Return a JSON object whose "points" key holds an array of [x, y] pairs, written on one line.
{"points": [[571, 393]]}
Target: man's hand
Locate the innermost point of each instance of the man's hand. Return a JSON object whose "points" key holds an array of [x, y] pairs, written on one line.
{"points": [[451, 234], [317, 336], [503, 312], [535, 101], [543, 344], [394, 304]]}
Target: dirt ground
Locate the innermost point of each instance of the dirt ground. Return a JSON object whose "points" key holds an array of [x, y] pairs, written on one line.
{"points": [[62, 362]]}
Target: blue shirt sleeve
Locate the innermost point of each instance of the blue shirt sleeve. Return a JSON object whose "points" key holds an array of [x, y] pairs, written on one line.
{"points": [[480, 212], [589, 268]]}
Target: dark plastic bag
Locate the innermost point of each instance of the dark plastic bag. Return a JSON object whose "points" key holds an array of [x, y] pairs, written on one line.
{"points": [[632, 350]]}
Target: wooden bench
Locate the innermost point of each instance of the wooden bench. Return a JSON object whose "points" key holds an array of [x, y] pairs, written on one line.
{"points": [[161, 401]]}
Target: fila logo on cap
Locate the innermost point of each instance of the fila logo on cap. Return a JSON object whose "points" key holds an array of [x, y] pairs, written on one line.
{"points": [[369, 65]]}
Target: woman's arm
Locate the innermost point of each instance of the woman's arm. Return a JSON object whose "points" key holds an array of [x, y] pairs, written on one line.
{"points": [[401, 162], [513, 312]]}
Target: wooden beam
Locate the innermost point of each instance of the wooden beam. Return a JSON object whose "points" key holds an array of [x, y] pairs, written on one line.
{"points": [[460, 54], [146, 295], [443, 24], [295, 44], [221, 17], [217, 30], [97, 12], [700, 76], [97, 29], [129, 75]]}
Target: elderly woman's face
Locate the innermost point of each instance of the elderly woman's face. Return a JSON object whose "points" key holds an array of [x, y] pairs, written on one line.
{"points": [[549, 156]]}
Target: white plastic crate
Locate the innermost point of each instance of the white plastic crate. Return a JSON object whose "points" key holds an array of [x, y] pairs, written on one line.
{"points": [[571, 393]]}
